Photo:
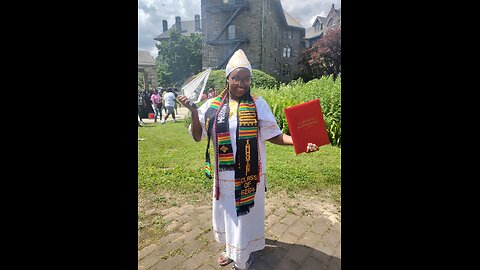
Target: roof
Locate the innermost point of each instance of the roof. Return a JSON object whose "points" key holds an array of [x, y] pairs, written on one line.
{"points": [[291, 21], [321, 19], [145, 59], [286, 18], [311, 33], [188, 27]]}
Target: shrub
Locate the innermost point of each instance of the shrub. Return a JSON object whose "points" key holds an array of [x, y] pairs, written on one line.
{"points": [[282, 96], [262, 79], [217, 80], [325, 88]]}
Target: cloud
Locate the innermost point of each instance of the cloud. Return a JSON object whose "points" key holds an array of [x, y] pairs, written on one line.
{"points": [[152, 12], [306, 11]]}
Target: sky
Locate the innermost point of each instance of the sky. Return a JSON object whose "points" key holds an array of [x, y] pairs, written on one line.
{"points": [[152, 12]]}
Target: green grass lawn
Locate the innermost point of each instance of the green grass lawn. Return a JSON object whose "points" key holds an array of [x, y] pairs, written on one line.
{"points": [[170, 161]]}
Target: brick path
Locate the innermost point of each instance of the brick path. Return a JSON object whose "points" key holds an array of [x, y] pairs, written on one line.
{"points": [[301, 235]]}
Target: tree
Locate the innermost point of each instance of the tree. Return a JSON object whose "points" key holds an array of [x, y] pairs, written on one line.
{"points": [[324, 58], [178, 58]]}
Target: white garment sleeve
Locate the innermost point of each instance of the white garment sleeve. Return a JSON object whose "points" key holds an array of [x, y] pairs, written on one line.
{"points": [[268, 127], [201, 117]]}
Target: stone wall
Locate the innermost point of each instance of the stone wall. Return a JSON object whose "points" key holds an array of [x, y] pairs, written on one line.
{"points": [[263, 25]]}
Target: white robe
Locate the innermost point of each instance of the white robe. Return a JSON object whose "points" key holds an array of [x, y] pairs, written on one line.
{"points": [[244, 234]]}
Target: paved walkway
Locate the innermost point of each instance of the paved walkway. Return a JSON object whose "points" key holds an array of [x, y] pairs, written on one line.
{"points": [[299, 235]]}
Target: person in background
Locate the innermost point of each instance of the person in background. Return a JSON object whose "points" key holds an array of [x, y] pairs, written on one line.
{"points": [[164, 91], [169, 101], [147, 108], [239, 124], [141, 103], [175, 92], [161, 91], [156, 100], [211, 93]]}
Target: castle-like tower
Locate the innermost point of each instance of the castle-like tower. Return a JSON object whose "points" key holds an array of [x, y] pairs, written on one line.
{"points": [[272, 39]]}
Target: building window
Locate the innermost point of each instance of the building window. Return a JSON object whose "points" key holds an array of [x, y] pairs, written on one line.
{"points": [[289, 34], [318, 26], [231, 31], [287, 52], [285, 70], [330, 22]]}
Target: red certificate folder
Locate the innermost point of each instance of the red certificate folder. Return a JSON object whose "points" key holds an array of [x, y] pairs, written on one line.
{"points": [[306, 125]]}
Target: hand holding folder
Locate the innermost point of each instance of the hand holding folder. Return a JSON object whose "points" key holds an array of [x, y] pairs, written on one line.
{"points": [[306, 125]]}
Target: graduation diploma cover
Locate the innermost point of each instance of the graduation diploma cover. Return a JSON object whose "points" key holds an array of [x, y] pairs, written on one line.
{"points": [[306, 125]]}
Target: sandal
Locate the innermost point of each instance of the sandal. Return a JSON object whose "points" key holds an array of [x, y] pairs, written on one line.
{"points": [[223, 260]]}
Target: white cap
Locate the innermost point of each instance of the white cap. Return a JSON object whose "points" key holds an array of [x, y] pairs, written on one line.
{"points": [[238, 59]]}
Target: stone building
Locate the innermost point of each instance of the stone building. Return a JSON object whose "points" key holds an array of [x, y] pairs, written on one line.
{"points": [[146, 66], [184, 27], [321, 25], [270, 37]]}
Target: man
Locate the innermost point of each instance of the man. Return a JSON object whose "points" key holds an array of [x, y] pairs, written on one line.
{"points": [[169, 104]]}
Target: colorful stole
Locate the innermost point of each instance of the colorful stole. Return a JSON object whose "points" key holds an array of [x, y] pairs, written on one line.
{"points": [[247, 164]]}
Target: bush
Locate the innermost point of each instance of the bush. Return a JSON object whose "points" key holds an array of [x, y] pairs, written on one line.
{"points": [[217, 80], [325, 88], [262, 79]]}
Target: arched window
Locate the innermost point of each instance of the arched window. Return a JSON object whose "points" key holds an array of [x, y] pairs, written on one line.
{"points": [[330, 22]]}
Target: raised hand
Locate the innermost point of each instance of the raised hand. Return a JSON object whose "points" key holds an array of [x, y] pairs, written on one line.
{"points": [[186, 102]]}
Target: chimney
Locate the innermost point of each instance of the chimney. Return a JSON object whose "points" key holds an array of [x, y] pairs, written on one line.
{"points": [[178, 24], [165, 25], [333, 6], [197, 23]]}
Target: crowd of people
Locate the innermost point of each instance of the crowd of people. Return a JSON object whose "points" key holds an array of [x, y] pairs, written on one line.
{"points": [[156, 102]]}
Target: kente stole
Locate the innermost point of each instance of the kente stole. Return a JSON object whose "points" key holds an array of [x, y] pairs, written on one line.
{"points": [[247, 164]]}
